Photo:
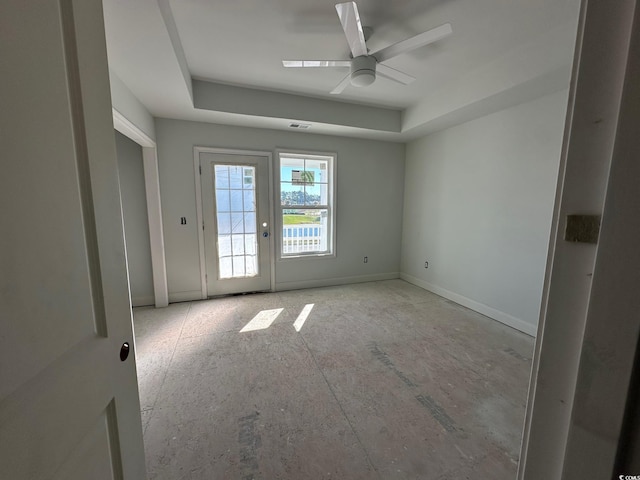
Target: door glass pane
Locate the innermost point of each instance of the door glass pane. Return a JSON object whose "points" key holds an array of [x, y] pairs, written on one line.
{"points": [[235, 176], [237, 222], [226, 268], [236, 218], [236, 201], [251, 265], [238, 266], [222, 200], [224, 245], [238, 245], [222, 178], [250, 245], [224, 223], [249, 222], [249, 201]]}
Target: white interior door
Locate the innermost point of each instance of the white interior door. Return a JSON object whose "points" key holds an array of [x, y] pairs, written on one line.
{"points": [[236, 222], [69, 406]]}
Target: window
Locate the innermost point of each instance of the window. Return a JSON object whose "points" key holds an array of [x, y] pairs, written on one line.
{"points": [[307, 213]]}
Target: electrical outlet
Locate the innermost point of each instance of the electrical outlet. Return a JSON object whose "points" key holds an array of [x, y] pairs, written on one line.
{"points": [[366, 259]]}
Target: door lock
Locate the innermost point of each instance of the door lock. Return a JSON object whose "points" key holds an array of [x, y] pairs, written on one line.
{"points": [[265, 234]]}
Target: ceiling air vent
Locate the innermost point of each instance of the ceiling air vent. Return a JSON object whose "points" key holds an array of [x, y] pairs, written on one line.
{"points": [[301, 126]]}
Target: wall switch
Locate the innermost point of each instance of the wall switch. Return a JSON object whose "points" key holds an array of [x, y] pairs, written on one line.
{"points": [[426, 264], [366, 259]]}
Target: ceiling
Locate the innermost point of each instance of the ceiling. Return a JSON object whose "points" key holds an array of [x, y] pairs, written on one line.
{"points": [[221, 61]]}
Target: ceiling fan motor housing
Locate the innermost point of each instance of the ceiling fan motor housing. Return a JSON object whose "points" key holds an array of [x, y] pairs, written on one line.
{"points": [[363, 70]]}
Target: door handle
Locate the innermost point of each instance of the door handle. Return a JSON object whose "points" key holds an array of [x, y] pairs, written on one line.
{"points": [[124, 351]]}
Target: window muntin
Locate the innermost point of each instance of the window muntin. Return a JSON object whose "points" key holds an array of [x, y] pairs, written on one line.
{"points": [[306, 205]]}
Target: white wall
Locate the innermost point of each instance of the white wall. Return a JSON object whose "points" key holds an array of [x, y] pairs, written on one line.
{"points": [[136, 223], [127, 104], [478, 206], [370, 177]]}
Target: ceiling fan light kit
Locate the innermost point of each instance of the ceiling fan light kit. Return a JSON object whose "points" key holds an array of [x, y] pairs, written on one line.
{"points": [[363, 65], [363, 71]]}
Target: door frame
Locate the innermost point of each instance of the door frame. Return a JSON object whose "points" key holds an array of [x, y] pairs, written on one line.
{"points": [[197, 150], [154, 205], [586, 347]]}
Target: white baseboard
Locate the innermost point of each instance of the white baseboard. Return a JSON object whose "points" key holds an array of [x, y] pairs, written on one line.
{"points": [[330, 282], [502, 317], [185, 296], [143, 301]]}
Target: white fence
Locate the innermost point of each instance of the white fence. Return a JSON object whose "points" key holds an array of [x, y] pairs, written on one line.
{"points": [[303, 238]]}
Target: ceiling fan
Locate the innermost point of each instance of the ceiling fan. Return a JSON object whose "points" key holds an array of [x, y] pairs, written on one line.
{"points": [[365, 65]]}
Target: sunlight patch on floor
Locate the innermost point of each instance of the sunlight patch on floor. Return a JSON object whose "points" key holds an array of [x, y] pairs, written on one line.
{"points": [[262, 320], [303, 317]]}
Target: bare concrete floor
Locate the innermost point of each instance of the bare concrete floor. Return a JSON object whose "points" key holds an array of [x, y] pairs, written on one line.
{"points": [[383, 380]]}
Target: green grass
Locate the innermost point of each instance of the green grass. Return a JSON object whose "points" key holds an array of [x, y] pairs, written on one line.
{"points": [[299, 219]]}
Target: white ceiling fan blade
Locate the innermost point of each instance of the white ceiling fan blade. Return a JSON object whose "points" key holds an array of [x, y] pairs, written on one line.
{"points": [[342, 85], [316, 63], [350, 20], [412, 43], [393, 74]]}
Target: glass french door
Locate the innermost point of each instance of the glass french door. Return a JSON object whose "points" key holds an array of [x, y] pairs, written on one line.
{"points": [[235, 208]]}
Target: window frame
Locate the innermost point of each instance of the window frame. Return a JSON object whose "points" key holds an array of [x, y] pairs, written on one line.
{"points": [[331, 157]]}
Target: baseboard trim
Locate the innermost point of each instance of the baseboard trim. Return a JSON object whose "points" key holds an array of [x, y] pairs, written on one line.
{"points": [[330, 282], [185, 296], [486, 310], [144, 301]]}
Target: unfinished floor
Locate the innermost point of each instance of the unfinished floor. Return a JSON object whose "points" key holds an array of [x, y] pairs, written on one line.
{"points": [[379, 380]]}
